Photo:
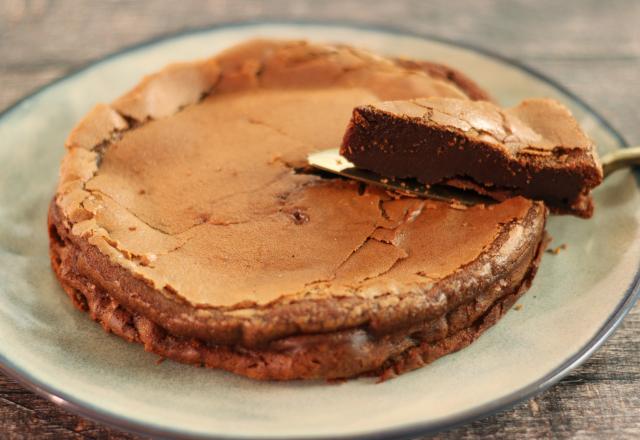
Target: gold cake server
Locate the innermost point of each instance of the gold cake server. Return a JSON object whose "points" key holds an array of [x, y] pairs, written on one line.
{"points": [[332, 162]]}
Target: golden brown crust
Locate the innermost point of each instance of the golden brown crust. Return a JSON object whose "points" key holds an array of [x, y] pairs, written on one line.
{"points": [[82, 196], [341, 354], [437, 70], [276, 321], [163, 94]]}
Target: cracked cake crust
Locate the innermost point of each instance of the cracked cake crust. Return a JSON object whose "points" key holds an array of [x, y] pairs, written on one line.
{"points": [[344, 353], [379, 315], [181, 240]]}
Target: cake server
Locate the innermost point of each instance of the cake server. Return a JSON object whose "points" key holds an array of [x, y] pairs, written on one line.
{"points": [[332, 162]]}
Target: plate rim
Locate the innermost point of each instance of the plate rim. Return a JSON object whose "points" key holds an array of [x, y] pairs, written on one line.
{"points": [[121, 422]]}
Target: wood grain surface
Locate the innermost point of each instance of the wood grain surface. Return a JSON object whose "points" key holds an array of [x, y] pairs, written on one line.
{"points": [[591, 46]]}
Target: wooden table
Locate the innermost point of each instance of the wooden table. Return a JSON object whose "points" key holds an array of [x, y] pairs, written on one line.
{"points": [[591, 46]]}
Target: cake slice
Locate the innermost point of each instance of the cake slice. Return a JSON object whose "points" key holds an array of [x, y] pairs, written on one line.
{"points": [[535, 149]]}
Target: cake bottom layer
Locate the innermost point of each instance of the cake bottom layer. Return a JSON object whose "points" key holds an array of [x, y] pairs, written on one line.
{"points": [[335, 355]]}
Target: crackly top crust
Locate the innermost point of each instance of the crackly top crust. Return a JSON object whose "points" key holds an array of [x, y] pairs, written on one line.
{"points": [[188, 182], [533, 126], [444, 72]]}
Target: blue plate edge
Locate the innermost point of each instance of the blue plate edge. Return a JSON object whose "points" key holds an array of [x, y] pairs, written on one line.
{"points": [[631, 296]]}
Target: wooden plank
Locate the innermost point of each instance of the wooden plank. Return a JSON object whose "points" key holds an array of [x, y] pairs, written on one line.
{"points": [[72, 32]]}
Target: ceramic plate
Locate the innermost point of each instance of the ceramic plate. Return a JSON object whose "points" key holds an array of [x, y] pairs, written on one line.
{"points": [[578, 298]]}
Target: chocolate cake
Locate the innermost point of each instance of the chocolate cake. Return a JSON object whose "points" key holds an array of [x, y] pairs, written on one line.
{"points": [[185, 220], [536, 149]]}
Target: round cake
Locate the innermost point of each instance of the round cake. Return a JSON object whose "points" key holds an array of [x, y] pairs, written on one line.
{"points": [[186, 219]]}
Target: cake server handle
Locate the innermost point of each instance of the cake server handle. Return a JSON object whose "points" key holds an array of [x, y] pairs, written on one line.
{"points": [[622, 158]]}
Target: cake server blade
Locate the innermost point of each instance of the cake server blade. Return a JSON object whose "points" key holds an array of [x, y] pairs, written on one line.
{"points": [[332, 162]]}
